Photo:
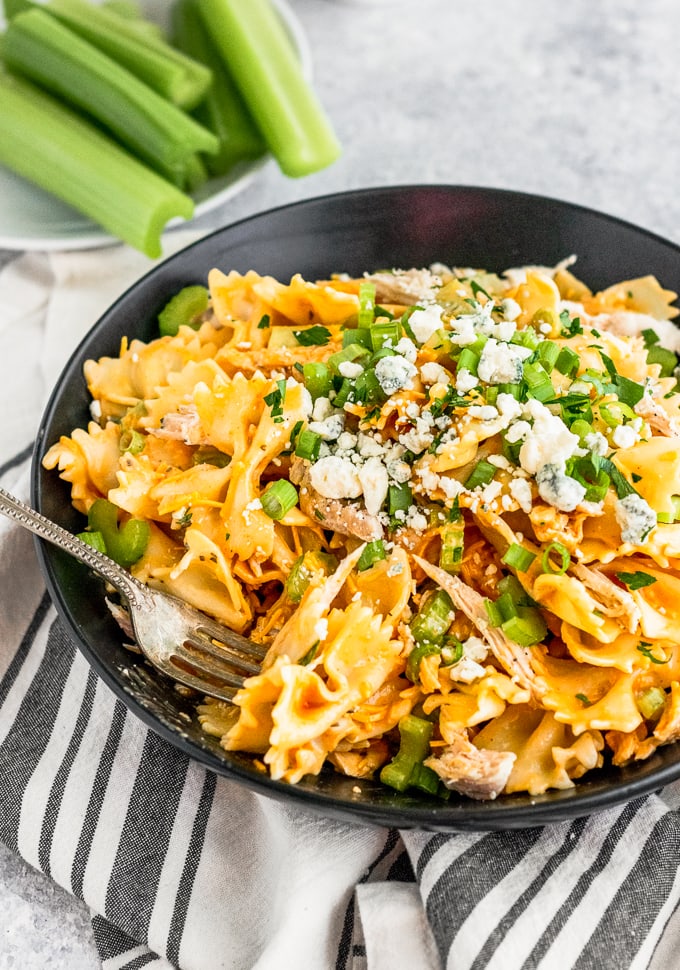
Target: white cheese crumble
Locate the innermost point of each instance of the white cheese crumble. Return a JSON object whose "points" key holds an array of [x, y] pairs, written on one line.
{"points": [[549, 441], [425, 322], [501, 363], [393, 373], [433, 373], [520, 489], [597, 443], [330, 428], [486, 412], [374, 481], [465, 381], [635, 517], [349, 368], [335, 477], [556, 488], [407, 349], [625, 436]]}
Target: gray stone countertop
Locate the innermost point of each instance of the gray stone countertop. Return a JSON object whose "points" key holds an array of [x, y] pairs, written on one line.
{"points": [[574, 100]]}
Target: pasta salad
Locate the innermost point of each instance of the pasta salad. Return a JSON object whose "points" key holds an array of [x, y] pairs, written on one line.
{"points": [[446, 500]]}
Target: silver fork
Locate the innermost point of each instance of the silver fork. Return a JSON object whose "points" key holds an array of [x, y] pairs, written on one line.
{"points": [[177, 639]]}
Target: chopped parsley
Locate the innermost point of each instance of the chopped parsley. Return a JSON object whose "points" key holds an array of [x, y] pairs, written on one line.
{"points": [[265, 322], [637, 580], [313, 337], [584, 700], [275, 401], [570, 327], [646, 650]]}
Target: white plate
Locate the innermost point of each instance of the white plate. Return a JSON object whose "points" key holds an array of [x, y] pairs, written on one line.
{"points": [[32, 219]]}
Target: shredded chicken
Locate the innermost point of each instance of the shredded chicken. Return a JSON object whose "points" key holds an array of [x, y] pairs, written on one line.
{"points": [[614, 600], [514, 659], [183, 425], [656, 415], [476, 772], [347, 518], [405, 287]]}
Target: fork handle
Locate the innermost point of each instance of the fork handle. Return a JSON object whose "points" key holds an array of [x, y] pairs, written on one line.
{"points": [[46, 529]]}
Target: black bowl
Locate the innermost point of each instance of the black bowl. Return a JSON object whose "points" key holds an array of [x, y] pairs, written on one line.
{"points": [[348, 232]]}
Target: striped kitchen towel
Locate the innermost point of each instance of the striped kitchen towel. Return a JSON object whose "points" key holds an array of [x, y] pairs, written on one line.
{"points": [[181, 868]]}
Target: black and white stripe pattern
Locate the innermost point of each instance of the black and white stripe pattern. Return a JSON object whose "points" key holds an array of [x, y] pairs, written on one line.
{"points": [[184, 869]]}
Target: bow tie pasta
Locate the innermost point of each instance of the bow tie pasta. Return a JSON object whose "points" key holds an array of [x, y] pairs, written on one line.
{"points": [[446, 500]]}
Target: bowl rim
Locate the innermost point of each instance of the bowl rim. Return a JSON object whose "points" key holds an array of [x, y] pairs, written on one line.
{"points": [[502, 814]]}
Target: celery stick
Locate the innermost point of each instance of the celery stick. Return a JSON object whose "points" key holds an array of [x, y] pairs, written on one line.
{"points": [[44, 50], [171, 73], [256, 49], [223, 110], [56, 149], [130, 12]]}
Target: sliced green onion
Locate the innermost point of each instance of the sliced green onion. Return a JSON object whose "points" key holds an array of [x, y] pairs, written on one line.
{"points": [[468, 360], [481, 474], [613, 413], [317, 379], [279, 498], [526, 338], [425, 779], [52, 146], [556, 549], [415, 734], [434, 618], [399, 498], [493, 613], [453, 539], [506, 606], [581, 428], [345, 392], [125, 543], [651, 703], [308, 444], [452, 651], [519, 558], [567, 362], [539, 385], [421, 650], [366, 303], [131, 441], [183, 310], [358, 335], [372, 553], [514, 390], [304, 568], [94, 539], [548, 352], [382, 332], [527, 628], [368, 390], [511, 585], [351, 353], [49, 53]]}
